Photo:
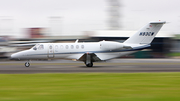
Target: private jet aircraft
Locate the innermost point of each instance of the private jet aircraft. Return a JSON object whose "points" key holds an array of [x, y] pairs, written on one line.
{"points": [[92, 51]]}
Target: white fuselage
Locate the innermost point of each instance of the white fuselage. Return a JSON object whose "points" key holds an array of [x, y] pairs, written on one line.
{"points": [[104, 49]]}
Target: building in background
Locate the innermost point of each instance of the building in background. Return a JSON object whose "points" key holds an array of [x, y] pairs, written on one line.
{"points": [[114, 14], [6, 26], [35, 32], [55, 26]]}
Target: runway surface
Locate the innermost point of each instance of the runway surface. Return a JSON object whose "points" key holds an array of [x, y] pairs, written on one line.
{"points": [[115, 65]]}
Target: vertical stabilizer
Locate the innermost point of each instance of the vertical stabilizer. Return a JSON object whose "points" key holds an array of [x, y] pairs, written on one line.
{"points": [[146, 34]]}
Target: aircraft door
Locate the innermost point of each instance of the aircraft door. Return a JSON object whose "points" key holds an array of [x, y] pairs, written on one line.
{"points": [[50, 51]]}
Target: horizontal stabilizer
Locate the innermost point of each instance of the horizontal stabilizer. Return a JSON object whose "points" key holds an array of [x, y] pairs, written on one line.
{"points": [[157, 22]]}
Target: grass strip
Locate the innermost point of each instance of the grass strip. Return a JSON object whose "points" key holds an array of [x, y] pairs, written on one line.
{"points": [[90, 87]]}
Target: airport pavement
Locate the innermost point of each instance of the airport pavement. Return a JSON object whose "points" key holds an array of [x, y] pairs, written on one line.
{"points": [[112, 66]]}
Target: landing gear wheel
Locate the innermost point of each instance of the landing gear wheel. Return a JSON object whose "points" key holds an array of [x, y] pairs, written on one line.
{"points": [[89, 65], [27, 64]]}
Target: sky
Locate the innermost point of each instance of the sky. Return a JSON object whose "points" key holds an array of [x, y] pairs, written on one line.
{"points": [[77, 16]]}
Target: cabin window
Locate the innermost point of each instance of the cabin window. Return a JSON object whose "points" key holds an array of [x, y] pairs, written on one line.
{"points": [[82, 46], [77, 46], [50, 47], [72, 46], [61, 46], [56, 48], [67, 46]]}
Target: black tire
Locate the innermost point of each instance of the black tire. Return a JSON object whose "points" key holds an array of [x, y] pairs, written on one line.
{"points": [[89, 65], [27, 64]]}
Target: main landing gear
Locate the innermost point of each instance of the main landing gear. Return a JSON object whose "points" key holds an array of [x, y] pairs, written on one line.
{"points": [[27, 64], [89, 64], [88, 61]]}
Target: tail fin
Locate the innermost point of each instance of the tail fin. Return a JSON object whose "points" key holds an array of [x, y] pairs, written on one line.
{"points": [[146, 34]]}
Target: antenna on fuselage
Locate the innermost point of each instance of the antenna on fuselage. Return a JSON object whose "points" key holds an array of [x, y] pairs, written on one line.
{"points": [[77, 41]]}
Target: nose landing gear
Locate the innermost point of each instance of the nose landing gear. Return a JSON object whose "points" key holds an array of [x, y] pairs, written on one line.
{"points": [[27, 64]]}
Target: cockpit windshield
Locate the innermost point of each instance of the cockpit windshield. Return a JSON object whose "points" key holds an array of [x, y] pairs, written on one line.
{"points": [[38, 47], [41, 47]]}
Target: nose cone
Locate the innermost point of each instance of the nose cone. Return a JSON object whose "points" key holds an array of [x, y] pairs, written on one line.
{"points": [[15, 56], [20, 55]]}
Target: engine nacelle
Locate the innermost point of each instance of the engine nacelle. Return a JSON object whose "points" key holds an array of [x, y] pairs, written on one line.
{"points": [[109, 45]]}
